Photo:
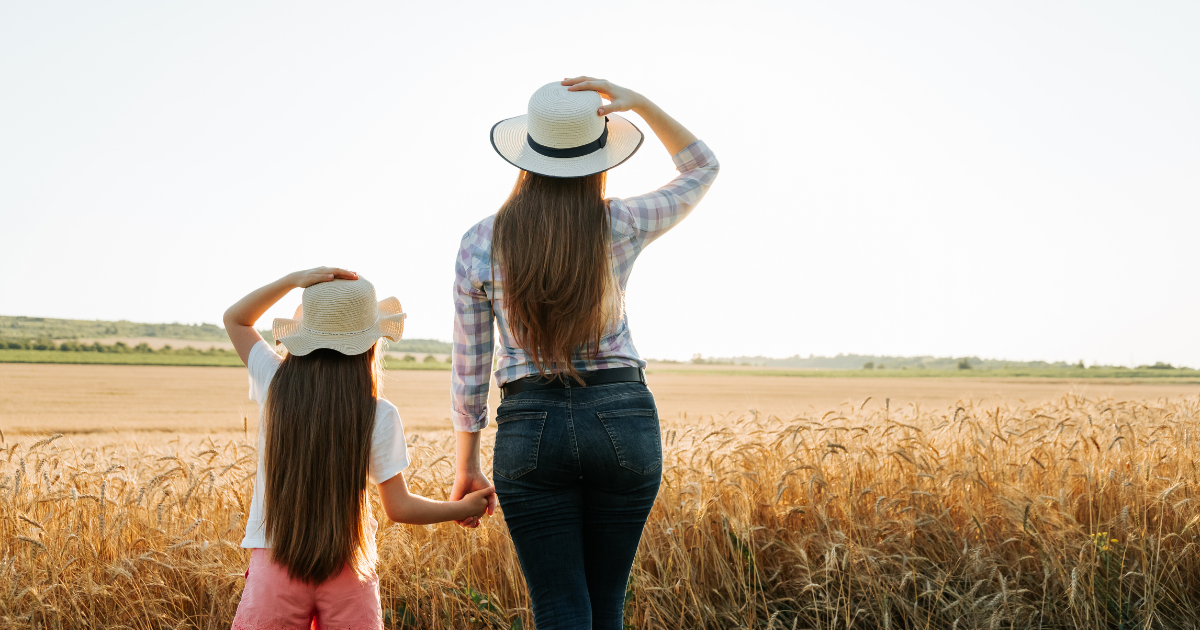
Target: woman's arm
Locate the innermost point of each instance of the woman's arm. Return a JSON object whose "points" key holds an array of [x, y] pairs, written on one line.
{"points": [[673, 135], [471, 373], [655, 213], [240, 318], [468, 474], [413, 509]]}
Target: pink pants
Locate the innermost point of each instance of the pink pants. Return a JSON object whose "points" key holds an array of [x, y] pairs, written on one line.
{"points": [[273, 601]]}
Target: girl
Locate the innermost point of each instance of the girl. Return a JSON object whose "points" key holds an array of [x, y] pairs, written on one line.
{"points": [[578, 456], [324, 432]]}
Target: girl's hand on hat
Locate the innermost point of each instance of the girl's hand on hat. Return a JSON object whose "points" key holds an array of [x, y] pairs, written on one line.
{"points": [[241, 317], [620, 99], [317, 275]]}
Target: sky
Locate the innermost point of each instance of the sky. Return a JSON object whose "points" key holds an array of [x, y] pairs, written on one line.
{"points": [[1012, 180]]}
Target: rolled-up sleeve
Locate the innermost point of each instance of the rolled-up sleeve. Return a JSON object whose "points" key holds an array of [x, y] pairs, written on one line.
{"points": [[473, 342], [653, 214]]}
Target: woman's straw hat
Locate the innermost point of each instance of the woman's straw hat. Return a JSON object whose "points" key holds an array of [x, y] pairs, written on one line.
{"points": [[340, 315], [562, 136]]}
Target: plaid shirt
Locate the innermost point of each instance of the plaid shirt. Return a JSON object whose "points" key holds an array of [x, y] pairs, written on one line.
{"points": [[479, 301]]}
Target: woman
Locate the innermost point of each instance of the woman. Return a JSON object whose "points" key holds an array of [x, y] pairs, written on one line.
{"points": [[578, 455]]}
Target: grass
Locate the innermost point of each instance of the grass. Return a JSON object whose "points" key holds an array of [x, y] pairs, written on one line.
{"points": [[228, 359], [1081, 513], [43, 328], [222, 359], [1181, 375], [215, 359], [393, 363]]}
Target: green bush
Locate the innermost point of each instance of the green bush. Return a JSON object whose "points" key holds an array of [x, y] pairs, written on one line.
{"points": [[964, 364], [429, 358], [869, 365], [408, 358]]}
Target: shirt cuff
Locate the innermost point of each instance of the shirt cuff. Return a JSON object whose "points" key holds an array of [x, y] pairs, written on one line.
{"points": [[693, 156], [470, 424]]}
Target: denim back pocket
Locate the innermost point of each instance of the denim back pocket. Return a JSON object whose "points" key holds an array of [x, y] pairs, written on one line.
{"points": [[518, 436], [635, 436]]}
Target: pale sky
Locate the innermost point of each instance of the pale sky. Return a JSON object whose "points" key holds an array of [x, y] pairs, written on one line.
{"points": [[1014, 180]]}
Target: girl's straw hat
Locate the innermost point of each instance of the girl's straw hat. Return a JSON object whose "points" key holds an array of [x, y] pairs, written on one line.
{"points": [[562, 136], [340, 315]]}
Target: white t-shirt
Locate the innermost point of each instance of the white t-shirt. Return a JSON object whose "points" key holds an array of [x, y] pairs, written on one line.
{"points": [[389, 451]]}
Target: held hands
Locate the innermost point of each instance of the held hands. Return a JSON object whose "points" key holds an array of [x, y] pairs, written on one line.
{"points": [[476, 504], [317, 275], [474, 484], [620, 99]]}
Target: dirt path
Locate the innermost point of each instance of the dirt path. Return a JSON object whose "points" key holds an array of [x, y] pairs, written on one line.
{"points": [[99, 398]]}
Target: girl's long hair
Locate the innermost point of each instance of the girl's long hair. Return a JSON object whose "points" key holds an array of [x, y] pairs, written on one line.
{"points": [[319, 417], [551, 239]]}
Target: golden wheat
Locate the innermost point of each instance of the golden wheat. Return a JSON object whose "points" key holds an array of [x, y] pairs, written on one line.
{"points": [[1075, 514]]}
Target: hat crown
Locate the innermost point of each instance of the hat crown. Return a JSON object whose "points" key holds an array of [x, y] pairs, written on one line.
{"points": [[561, 119], [339, 306]]}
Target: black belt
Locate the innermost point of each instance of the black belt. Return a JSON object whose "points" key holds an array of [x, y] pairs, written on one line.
{"points": [[595, 377]]}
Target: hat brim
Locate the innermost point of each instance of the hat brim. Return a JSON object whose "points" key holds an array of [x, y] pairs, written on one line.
{"points": [[301, 341], [509, 140]]}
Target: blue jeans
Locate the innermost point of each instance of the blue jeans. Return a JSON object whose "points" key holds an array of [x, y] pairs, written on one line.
{"points": [[576, 471]]}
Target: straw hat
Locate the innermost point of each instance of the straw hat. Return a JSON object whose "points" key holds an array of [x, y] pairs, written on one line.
{"points": [[562, 136], [340, 315]]}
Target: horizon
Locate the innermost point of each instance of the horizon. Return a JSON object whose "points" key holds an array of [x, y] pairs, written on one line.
{"points": [[693, 357], [959, 180]]}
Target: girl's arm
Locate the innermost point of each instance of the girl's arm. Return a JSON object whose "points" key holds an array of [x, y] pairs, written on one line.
{"points": [[240, 318], [413, 509]]}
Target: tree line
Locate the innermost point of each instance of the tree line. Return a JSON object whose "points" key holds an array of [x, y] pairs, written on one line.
{"points": [[119, 347]]}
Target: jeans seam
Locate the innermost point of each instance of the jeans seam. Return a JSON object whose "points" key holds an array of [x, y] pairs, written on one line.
{"points": [[612, 397], [537, 447], [616, 445], [571, 428]]}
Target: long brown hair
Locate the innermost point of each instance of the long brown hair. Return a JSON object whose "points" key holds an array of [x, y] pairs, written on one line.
{"points": [[320, 416], [552, 241]]}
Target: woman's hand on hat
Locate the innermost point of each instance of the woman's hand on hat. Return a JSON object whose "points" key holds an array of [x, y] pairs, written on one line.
{"points": [[619, 99], [674, 136], [317, 275]]}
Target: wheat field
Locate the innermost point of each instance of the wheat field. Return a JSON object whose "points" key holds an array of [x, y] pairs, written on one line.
{"points": [[1075, 513]]}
